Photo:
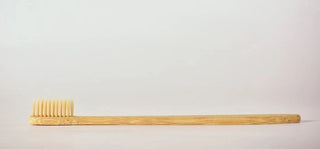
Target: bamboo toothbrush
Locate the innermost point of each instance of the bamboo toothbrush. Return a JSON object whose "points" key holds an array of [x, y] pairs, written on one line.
{"points": [[60, 112]]}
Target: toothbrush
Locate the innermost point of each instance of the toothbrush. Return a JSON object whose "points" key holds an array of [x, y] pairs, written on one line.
{"points": [[60, 112]]}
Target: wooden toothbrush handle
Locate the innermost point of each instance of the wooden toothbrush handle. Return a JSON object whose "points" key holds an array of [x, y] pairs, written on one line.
{"points": [[189, 120], [169, 120]]}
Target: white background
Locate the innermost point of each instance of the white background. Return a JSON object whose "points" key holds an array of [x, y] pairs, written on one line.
{"points": [[171, 57]]}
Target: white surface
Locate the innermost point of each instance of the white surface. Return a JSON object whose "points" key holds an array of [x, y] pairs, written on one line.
{"points": [[304, 135], [146, 57]]}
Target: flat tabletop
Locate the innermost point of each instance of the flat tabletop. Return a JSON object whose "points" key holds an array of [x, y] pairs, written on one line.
{"points": [[303, 135]]}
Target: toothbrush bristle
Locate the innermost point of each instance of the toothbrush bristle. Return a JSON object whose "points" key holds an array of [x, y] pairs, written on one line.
{"points": [[52, 108]]}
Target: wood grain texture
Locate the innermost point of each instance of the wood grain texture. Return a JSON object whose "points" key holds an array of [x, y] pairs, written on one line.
{"points": [[169, 120]]}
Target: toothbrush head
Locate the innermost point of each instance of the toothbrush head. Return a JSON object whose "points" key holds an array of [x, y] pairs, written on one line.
{"points": [[52, 108]]}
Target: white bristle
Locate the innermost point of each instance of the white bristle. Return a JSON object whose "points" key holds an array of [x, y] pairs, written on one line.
{"points": [[52, 108]]}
